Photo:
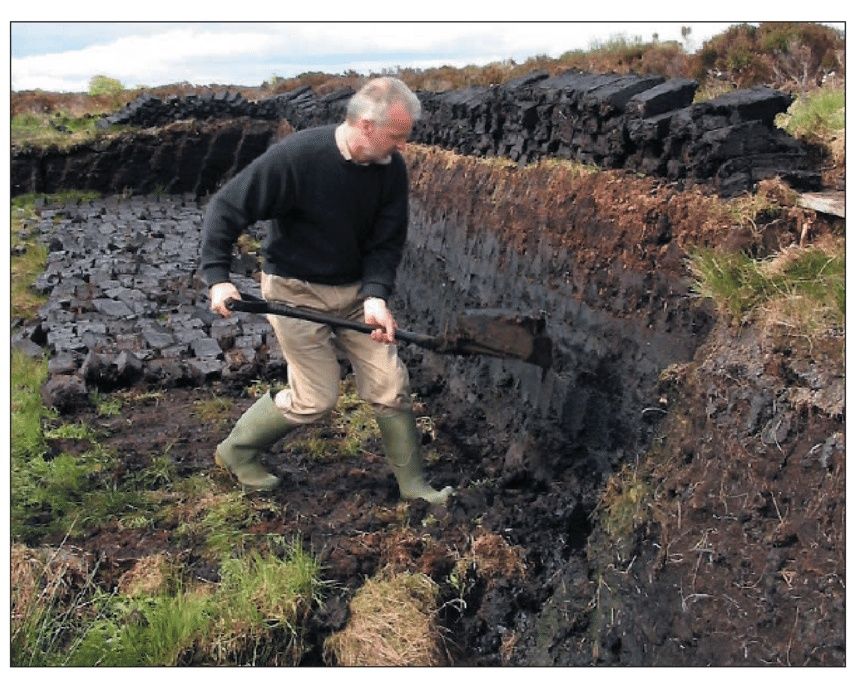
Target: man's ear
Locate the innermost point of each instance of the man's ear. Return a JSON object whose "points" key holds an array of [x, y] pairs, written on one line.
{"points": [[366, 126]]}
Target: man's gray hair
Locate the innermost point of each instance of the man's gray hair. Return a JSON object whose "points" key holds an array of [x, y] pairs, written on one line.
{"points": [[373, 100]]}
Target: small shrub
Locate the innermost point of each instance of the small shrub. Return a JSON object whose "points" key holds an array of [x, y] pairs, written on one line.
{"points": [[102, 84], [793, 55]]}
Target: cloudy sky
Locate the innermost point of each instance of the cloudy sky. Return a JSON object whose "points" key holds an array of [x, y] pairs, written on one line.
{"points": [[56, 45], [63, 56]]}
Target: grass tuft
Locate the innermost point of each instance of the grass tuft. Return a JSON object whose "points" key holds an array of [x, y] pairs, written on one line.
{"points": [[808, 281], [623, 504], [393, 623], [817, 114], [261, 604], [213, 410], [107, 406], [50, 601], [60, 129], [149, 631], [352, 429]]}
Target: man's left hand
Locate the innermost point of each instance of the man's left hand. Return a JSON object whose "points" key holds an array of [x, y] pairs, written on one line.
{"points": [[376, 313]]}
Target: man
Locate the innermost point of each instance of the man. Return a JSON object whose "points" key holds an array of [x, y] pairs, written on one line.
{"points": [[338, 205]]}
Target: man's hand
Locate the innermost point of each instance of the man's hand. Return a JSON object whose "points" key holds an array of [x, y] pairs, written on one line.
{"points": [[221, 292], [376, 313]]}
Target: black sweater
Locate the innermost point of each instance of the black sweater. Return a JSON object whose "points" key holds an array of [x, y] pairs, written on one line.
{"points": [[332, 221]]}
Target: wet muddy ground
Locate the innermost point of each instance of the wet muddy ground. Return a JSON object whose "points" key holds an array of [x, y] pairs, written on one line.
{"points": [[346, 511]]}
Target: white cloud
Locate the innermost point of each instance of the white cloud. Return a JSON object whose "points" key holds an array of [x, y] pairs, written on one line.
{"points": [[247, 54], [169, 56]]}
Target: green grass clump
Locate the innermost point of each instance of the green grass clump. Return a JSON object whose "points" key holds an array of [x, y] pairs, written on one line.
{"points": [[151, 631], [107, 406], [225, 523], [28, 411], [216, 519], [212, 410], [261, 603], [58, 129], [799, 280], [254, 616], [817, 114], [71, 431], [160, 471], [75, 490], [47, 611], [352, 429]]}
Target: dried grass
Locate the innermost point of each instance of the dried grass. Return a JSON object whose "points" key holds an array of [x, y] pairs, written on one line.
{"points": [[46, 584], [149, 576], [493, 557], [24, 573], [46, 573], [393, 623]]}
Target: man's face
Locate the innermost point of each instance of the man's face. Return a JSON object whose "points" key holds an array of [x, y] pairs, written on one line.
{"points": [[383, 139]]}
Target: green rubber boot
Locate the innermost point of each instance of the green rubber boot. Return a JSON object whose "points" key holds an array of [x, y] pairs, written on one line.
{"points": [[260, 427], [404, 452]]}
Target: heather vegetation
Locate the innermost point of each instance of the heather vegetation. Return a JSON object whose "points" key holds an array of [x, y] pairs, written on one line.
{"points": [[792, 56], [796, 57]]}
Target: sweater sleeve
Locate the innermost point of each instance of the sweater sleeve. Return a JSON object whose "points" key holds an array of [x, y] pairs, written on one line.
{"points": [[383, 253], [258, 192]]}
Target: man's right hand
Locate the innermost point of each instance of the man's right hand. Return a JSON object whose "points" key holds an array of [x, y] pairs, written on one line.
{"points": [[221, 292]]}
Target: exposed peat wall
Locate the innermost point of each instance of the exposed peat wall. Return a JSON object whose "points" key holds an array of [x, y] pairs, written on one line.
{"points": [[606, 270], [183, 157]]}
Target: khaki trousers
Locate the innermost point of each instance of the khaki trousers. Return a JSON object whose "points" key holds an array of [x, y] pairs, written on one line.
{"points": [[310, 350]]}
